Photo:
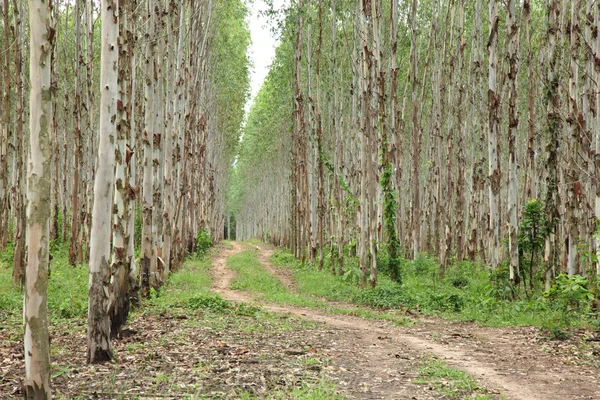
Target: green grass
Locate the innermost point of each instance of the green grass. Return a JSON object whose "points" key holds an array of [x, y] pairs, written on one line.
{"points": [[251, 276], [191, 281], [467, 293], [451, 382], [67, 286], [322, 390]]}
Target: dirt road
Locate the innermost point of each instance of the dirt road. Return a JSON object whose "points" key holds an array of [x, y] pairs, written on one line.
{"points": [[376, 360]]}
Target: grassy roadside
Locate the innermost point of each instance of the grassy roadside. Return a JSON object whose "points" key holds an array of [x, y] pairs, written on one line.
{"points": [[450, 382], [468, 292], [252, 277], [184, 342]]}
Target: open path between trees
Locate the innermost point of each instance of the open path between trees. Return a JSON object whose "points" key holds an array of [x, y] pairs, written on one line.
{"points": [[374, 359]]}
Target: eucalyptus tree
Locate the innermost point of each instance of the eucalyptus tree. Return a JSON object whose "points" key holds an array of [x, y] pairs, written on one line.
{"points": [[513, 124], [148, 257], [35, 308], [98, 335], [494, 176], [20, 145]]}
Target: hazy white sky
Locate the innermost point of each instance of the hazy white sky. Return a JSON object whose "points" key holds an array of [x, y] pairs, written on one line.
{"points": [[263, 46]]}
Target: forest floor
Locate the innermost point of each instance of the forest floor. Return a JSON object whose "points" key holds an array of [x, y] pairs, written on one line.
{"points": [[188, 343]]}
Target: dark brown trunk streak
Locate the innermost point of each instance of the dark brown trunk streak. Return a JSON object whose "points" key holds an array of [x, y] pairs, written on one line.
{"points": [[75, 245]]}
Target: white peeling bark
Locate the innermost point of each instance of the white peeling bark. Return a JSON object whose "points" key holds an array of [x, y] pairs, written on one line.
{"points": [[35, 306], [99, 346]]}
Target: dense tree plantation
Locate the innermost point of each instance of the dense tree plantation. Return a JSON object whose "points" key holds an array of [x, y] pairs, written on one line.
{"points": [[467, 130], [134, 113], [415, 181]]}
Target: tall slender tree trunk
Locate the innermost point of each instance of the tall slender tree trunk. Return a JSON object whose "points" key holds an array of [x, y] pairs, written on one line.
{"points": [[416, 136], [99, 346], [596, 56], [148, 256], [35, 308], [366, 128], [575, 119], [554, 124], [158, 154], [121, 257], [75, 245], [300, 154], [493, 124], [20, 154], [513, 124]]}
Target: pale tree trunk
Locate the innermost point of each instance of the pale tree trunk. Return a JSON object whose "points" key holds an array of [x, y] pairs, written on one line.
{"points": [[365, 127], [438, 87], [554, 124], [91, 134], [339, 154], [179, 131], [121, 257], [390, 203], [75, 245], [478, 118], [416, 137], [20, 154], [148, 256], [513, 124], [54, 128], [449, 186], [171, 137], [300, 133], [157, 149], [35, 309], [574, 185], [321, 180], [312, 153], [494, 121], [99, 346], [460, 136], [530, 167], [5, 133], [67, 110], [596, 130], [379, 75], [133, 159]]}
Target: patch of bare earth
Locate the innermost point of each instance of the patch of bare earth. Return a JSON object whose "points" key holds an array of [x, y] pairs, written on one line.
{"points": [[519, 363]]}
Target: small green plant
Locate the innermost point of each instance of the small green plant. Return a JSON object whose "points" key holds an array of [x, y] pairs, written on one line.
{"points": [[451, 382], [571, 299], [532, 234], [353, 275], [208, 301], [503, 288], [203, 242]]}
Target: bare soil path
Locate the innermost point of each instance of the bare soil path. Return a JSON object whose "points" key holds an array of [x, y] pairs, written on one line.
{"points": [[374, 359]]}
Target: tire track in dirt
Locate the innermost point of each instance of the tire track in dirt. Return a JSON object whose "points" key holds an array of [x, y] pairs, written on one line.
{"points": [[382, 348]]}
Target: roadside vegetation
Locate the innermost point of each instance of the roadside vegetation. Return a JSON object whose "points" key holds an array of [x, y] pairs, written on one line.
{"points": [[468, 291]]}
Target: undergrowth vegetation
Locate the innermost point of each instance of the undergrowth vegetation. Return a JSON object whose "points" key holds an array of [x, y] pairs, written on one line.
{"points": [[468, 292], [67, 287], [451, 382]]}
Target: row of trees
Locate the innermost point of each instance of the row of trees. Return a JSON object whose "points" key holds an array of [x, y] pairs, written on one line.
{"points": [[135, 110], [427, 124]]}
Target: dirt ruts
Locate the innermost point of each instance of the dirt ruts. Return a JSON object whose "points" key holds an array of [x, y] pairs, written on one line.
{"points": [[376, 360]]}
